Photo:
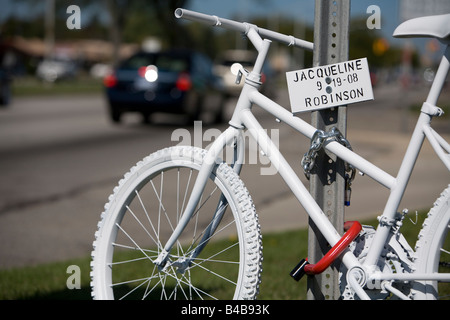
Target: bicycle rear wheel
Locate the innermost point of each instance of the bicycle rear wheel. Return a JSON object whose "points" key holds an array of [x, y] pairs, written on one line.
{"points": [[141, 215], [433, 250]]}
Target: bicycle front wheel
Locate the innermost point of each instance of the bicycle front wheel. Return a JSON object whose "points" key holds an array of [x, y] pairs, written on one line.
{"points": [[218, 255]]}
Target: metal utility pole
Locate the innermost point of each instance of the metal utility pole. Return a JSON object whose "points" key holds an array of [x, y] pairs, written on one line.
{"points": [[331, 41]]}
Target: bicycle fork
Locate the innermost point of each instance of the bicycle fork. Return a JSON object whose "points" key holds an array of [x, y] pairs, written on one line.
{"points": [[231, 135]]}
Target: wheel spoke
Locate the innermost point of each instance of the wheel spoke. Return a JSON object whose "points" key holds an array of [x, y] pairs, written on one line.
{"points": [[148, 218], [214, 273], [158, 244], [132, 240]]}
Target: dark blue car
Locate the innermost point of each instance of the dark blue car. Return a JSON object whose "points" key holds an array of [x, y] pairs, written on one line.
{"points": [[176, 81]]}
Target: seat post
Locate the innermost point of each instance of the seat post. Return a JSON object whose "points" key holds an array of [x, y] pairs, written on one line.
{"points": [[439, 79]]}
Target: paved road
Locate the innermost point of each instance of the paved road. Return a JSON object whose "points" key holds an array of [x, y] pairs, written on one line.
{"points": [[60, 158]]}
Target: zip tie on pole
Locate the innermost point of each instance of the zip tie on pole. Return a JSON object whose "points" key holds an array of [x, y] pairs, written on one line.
{"points": [[292, 41], [218, 23]]}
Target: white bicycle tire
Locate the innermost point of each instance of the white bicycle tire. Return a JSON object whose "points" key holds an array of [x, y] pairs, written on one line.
{"points": [[431, 239], [244, 214]]}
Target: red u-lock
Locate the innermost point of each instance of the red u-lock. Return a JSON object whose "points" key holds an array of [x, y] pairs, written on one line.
{"points": [[353, 228]]}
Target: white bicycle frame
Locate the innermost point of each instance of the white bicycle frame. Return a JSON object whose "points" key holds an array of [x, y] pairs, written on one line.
{"points": [[243, 119]]}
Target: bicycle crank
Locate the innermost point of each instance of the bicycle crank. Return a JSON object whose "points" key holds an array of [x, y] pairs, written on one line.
{"points": [[395, 258]]}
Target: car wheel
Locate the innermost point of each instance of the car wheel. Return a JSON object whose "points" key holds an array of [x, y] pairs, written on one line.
{"points": [[5, 95], [192, 106], [146, 117], [115, 113]]}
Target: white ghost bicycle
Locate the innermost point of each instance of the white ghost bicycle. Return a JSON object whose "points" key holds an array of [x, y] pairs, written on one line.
{"points": [[182, 225]]}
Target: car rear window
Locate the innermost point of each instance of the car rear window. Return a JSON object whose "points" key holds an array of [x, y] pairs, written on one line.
{"points": [[164, 62]]}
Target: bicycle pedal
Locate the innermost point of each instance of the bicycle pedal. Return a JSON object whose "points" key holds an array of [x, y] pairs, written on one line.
{"points": [[299, 271]]}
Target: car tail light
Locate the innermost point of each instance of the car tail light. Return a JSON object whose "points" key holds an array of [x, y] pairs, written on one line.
{"points": [[184, 82], [142, 71], [110, 81], [150, 73]]}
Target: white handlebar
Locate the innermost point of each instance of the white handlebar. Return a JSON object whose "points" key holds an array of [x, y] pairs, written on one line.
{"points": [[242, 27]]}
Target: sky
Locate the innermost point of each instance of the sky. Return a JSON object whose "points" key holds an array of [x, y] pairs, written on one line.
{"points": [[243, 10], [301, 9]]}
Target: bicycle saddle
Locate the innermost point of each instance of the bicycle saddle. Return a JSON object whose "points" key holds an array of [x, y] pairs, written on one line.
{"points": [[430, 27]]}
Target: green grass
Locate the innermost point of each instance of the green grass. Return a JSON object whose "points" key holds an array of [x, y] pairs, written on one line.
{"points": [[28, 86], [44, 282], [280, 256]]}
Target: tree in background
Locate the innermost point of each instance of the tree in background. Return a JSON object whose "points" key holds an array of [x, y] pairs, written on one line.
{"points": [[137, 18]]}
